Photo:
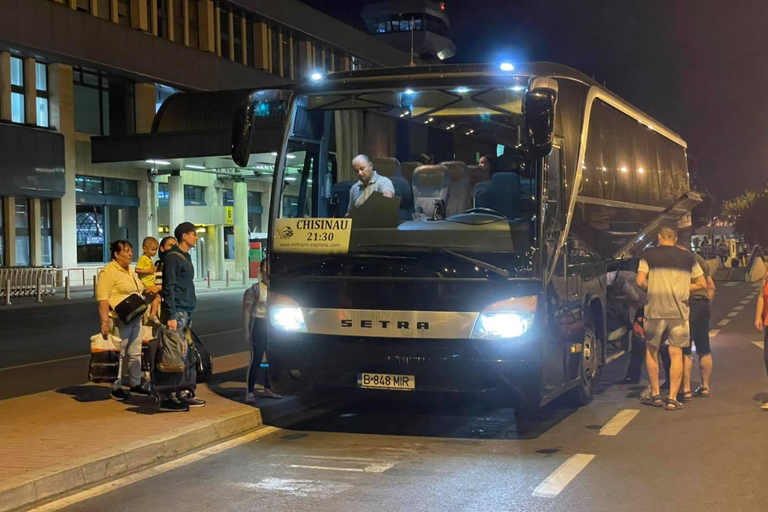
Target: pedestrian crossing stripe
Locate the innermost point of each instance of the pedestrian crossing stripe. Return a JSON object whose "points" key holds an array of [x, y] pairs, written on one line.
{"points": [[759, 344], [714, 332], [724, 322]]}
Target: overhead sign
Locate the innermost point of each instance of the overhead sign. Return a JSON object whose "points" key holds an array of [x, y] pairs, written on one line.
{"points": [[229, 215], [312, 236]]}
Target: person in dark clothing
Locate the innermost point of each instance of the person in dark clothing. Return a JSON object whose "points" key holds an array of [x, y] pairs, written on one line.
{"points": [[179, 299]]}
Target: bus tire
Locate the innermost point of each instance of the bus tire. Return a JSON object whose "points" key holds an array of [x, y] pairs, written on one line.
{"points": [[589, 367]]}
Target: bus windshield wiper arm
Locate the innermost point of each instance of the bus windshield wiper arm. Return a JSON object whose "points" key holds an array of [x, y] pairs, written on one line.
{"points": [[483, 264], [307, 265]]}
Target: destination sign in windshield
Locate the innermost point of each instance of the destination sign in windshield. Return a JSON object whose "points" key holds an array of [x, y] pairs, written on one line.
{"points": [[312, 236]]}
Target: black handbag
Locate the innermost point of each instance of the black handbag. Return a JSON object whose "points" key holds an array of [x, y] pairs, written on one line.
{"points": [[131, 307]]}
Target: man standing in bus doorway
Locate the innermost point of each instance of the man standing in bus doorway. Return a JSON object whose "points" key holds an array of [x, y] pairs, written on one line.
{"points": [[669, 275], [370, 182]]}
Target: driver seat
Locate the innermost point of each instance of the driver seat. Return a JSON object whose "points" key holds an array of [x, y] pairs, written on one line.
{"points": [[499, 194]]}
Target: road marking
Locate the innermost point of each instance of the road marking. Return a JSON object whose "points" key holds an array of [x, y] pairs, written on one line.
{"points": [[751, 296], [153, 471], [218, 333], [745, 302], [298, 488], [738, 308], [28, 365], [568, 470], [723, 323], [618, 422], [373, 468], [615, 357], [760, 344], [714, 332], [732, 283], [732, 314]]}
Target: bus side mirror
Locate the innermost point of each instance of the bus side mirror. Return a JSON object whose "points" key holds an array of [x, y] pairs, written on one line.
{"points": [[539, 111], [242, 128], [269, 104]]}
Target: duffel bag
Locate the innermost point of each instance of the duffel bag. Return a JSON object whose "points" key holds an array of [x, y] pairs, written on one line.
{"points": [[204, 359]]}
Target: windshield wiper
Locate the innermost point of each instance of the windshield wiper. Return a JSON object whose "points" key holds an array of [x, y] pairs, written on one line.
{"points": [[310, 264], [445, 250]]}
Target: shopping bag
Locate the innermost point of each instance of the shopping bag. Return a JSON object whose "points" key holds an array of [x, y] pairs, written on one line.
{"points": [[105, 358]]}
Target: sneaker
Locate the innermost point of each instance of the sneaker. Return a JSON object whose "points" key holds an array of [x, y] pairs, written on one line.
{"points": [[250, 398], [173, 405], [193, 401], [120, 395], [139, 390], [268, 393]]}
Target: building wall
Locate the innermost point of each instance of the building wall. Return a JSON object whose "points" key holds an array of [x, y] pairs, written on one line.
{"points": [[147, 44]]}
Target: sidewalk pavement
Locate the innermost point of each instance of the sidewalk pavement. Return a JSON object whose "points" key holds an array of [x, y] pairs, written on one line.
{"points": [[56, 441]]}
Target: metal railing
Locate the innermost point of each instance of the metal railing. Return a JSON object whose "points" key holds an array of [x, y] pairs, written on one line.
{"points": [[27, 281]]}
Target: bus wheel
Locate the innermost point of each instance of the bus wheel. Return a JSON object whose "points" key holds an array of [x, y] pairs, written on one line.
{"points": [[589, 368]]}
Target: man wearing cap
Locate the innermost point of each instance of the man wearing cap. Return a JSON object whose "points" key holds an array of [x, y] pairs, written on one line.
{"points": [[179, 299]]}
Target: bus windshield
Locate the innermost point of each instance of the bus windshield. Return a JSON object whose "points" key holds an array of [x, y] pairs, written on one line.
{"points": [[416, 170]]}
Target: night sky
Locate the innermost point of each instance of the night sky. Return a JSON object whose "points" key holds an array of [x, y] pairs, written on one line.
{"points": [[698, 66]]}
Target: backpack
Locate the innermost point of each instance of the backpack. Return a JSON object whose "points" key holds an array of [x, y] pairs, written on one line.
{"points": [[172, 351]]}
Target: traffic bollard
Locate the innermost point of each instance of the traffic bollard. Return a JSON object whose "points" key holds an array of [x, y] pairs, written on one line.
{"points": [[245, 281], [208, 272], [8, 292], [67, 290], [227, 278], [94, 285], [39, 289]]}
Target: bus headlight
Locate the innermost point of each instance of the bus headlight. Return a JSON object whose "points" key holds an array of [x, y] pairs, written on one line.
{"points": [[287, 318], [509, 318]]}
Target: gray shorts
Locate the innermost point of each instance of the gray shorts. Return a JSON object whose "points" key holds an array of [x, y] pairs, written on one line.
{"points": [[674, 330]]}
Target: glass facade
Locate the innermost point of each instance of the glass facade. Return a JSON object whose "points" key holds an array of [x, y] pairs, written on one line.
{"points": [[103, 105], [21, 221], [41, 85], [17, 90], [46, 232]]}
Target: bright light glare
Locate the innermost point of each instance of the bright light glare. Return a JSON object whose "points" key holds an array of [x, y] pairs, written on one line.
{"points": [[316, 76], [287, 318], [410, 92], [462, 90], [518, 88], [506, 66], [198, 167], [157, 162], [502, 325], [290, 179], [274, 153], [291, 156]]}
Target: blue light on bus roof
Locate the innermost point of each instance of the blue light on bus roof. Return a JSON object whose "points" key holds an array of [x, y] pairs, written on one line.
{"points": [[507, 66]]}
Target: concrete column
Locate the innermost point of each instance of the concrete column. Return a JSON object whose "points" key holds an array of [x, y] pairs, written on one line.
{"points": [[147, 207], [73, 4], [206, 29], [95, 8], [211, 255], [306, 60], [175, 201], [217, 263], [61, 106], [170, 16], [139, 15], [261, 46], [9, 205], [113, 17], [240, 191], [243, 35], [144, 106], [35, 227], [185, 9], [30, 92], [290, 58], [231, 25], [346, 63], [217, 30], [5, 86], [153, 18], [266, 195]]}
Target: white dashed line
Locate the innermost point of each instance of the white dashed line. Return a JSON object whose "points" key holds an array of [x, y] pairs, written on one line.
{"points": [[732, 283], [723, 323], [373, 468], [760, 344], [732, 314], [738, 308], [568, 470], [618, 422], [714, 332], [745, 302]]}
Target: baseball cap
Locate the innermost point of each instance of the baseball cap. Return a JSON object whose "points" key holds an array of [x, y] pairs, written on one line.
{"points": [[184, 227]]}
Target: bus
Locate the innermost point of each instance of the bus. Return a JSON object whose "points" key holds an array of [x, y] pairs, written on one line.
{"points": [[486, 281]]}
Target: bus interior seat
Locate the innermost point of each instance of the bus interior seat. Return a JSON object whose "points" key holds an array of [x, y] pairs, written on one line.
{"points": [[430, 183], [404, 191], [340, 196], [477, 175], [458, 195], [526, 185], [407, 169], [387, 166], [500, 193]]}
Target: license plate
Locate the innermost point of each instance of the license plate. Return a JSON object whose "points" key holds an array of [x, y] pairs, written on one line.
{"points": [[386, 381]]}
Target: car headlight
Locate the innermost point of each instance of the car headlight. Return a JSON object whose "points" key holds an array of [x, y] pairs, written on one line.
{"points": [[509, 318], [285, 314]]}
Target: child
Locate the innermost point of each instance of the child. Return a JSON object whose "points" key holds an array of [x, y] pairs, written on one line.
{"points": [[145, 269]]}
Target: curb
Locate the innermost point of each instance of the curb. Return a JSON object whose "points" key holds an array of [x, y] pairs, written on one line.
{"points": [[28, 489]]}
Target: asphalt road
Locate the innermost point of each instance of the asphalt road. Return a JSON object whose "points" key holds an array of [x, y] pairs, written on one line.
{"points": [[44, 347], [710, 456]]}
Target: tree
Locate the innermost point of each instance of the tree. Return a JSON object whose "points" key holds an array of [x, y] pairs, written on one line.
{"points": [[736, 207], [752, 221]]}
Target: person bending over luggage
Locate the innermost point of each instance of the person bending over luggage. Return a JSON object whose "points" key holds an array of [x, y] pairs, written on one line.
{"points": [[117, 283], [370, 182], [254, 316]]}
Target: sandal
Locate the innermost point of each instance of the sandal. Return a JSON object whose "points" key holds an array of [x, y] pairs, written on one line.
{"points": [[654, 400], [703, 392], [686, 396], [675, 405]]}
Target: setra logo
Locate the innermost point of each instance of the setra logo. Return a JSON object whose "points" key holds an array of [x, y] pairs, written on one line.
{"points": [[285, 233], [386, 324]]}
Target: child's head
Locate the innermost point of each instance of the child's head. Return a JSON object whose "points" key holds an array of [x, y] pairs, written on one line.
{"points": [[166, 243], [150, 246]]}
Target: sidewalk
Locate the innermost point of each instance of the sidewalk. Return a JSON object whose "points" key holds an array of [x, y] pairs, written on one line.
{"points": [[56, 441]]}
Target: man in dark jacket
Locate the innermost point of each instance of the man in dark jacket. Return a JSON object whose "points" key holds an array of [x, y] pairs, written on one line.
{"points": [[179, 298]]}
